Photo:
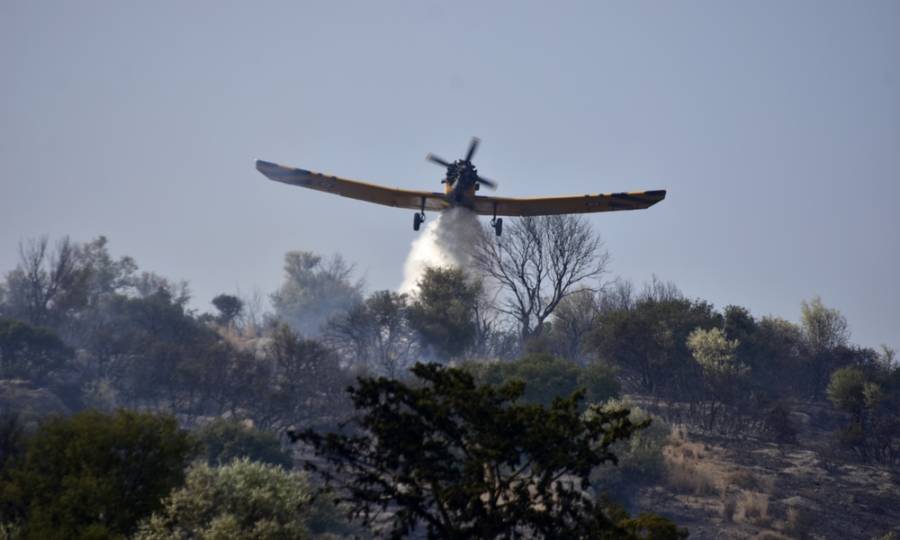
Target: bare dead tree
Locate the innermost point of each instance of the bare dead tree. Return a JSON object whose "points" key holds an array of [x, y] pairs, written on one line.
{"points": [[539, 261], [46, 283]]}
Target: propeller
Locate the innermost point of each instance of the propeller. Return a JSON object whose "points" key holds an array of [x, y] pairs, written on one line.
{"points": [[472, 147], [489, 183], [465, 163], [434, 159]]}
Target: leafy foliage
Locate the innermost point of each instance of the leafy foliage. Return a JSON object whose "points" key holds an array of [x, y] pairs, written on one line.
{"points": [[229, 306], [650, 340], [640, 456], [547, 377], [871, 394], [465, 460], [443, 312], [94, 475], [243, 499]]}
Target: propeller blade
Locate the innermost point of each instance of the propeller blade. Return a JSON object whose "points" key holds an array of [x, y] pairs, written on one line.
{"points": [[489, 183], [472, 147], [434, 159]]}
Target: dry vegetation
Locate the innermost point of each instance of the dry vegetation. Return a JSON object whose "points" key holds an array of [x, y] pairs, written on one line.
{"points": [[725, 488]]}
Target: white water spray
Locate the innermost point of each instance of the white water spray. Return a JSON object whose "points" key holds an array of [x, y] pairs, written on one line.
{"points": [[446, 241]]}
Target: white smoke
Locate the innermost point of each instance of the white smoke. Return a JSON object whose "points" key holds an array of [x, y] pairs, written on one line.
{"points": [[446, 241]]}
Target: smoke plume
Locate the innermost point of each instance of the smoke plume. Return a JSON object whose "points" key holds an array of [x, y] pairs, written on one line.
{"points": [[446, 241]]}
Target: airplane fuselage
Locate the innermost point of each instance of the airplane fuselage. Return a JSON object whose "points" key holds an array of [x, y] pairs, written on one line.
{"points": [[461, 183]]}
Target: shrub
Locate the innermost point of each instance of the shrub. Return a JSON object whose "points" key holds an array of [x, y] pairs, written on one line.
{"points": [[547, 377], [599, 382], [754, 507], [778, 426], [640, 457], [845, 390], [240, 500], [686, 470], [94, 474]]}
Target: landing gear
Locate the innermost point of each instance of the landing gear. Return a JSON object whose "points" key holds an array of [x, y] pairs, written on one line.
{"points": [[419, 217], [497, 224]]}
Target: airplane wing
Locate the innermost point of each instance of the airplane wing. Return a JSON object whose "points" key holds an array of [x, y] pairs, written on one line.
{"points": [[399, 198], [576, 204]]}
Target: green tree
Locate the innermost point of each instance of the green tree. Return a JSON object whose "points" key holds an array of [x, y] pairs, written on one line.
{"points": [[599, 381], [716, 354], [649, 340], [229, 307], [845, 390], [443, 312], [463, 460], [153, 351], [243, 499], [225, 440], [94, 475], [871, 394], [824, 328], [723, 374], [825, 334], [547, 377]]}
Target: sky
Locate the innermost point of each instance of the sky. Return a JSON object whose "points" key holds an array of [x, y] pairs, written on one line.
{"points": [[774, 126]]}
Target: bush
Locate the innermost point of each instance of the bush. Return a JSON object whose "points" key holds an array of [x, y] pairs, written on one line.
{"points": [[547, 377], [599, 382], [778, 426], [94, 474], [845, 390], [686, 470], [225, 440], [640, 457], [240, 500]]}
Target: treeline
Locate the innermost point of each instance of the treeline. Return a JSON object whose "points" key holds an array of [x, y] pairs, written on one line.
{"points": [[100, 334]]}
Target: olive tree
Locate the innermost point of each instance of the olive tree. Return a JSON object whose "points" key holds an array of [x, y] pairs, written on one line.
{"points": [[243, 499]]}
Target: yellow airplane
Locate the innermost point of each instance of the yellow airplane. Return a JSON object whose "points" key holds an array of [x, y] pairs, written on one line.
{"points": [[460, 184]]}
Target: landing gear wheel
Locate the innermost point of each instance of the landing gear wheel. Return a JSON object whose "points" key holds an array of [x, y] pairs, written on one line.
{"points": [[497, 224], [417, 221]]}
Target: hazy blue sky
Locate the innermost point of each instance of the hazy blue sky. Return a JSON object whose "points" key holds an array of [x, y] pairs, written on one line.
{"points": [[775, 126]]}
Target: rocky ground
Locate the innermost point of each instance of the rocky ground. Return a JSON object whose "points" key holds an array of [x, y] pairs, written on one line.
{"points": [[728, 488]]}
